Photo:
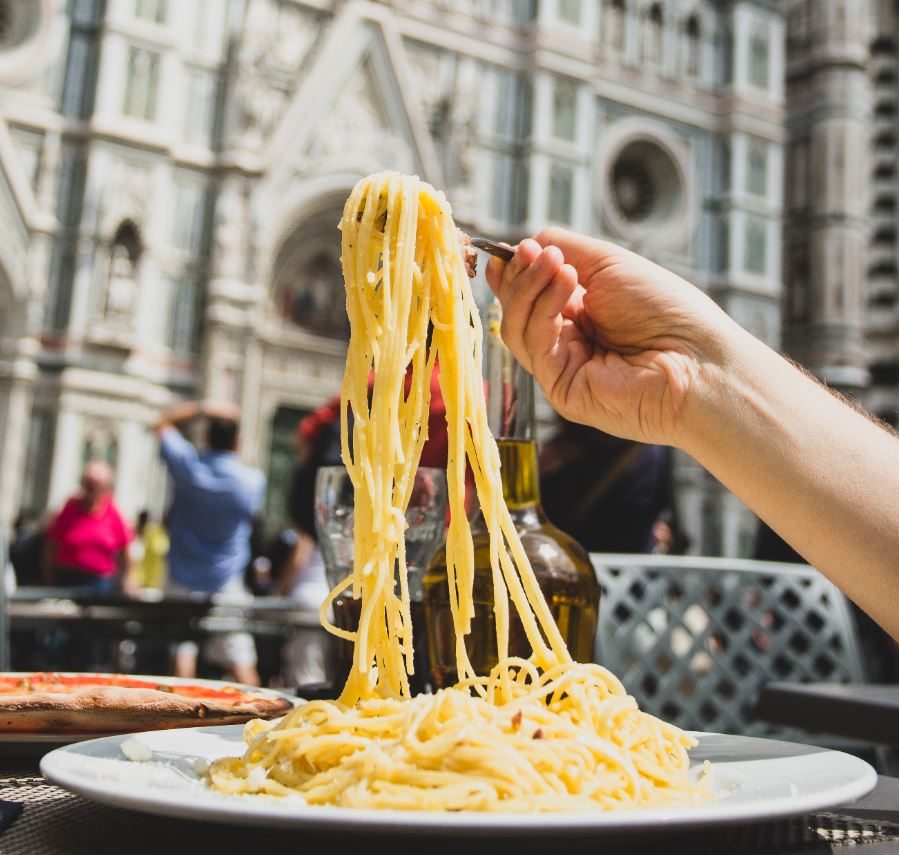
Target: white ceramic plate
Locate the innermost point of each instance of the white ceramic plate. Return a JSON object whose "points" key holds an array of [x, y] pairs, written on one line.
{"points": [[754, 779], [48, 739]]}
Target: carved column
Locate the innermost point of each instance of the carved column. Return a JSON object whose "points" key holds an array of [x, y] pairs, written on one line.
{"points": [[828, 100]]}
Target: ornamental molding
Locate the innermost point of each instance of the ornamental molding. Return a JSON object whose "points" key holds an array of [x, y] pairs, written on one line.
{"points": [[275, 44]]}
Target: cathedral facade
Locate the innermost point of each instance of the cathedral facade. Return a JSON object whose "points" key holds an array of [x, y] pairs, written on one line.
{"points": [[171, 177]]}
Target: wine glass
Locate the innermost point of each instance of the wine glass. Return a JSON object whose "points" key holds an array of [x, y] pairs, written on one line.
{"points": [[425, 532]]}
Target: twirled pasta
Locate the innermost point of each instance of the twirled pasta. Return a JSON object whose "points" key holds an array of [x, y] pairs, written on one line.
{"points": [[539, 734]]}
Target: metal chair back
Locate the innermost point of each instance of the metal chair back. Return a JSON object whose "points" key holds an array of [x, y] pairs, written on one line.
{"points": [[695, 639]]}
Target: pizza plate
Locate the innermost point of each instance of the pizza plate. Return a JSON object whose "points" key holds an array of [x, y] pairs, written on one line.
{"points": [[30, 743], [753, 780]]}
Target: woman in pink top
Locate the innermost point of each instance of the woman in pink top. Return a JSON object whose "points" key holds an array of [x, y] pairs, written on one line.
{"points": [[87, 542]]}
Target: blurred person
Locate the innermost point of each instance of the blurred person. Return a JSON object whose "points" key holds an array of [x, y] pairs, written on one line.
{"points": [[301, 577], [297, 564], [215, 498], [770, 546], [26, 549], [623, 345], [319, 444], [150, 555], [610, 494], [667, 535], [257, 573], [86, 547], [258, 577], [86, 544], [319, 435]]}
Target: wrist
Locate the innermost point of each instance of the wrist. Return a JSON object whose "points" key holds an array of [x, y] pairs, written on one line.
{"points": [[722, 380]]}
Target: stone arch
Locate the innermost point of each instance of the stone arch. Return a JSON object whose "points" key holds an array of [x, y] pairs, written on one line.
{"points": [[276, 216], [305, 283]]}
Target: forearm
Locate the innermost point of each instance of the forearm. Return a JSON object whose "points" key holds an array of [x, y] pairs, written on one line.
{"points": [[179, 414], [820, 474], [187, 411]]}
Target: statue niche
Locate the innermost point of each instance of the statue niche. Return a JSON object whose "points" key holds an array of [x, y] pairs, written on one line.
{"points": [[121, 282]]}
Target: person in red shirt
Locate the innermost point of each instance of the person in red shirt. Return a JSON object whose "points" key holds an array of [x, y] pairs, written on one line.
{"points": [[325, 422], [86, 544]]}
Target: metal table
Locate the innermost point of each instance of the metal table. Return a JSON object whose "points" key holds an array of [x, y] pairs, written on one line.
{"points": [[152, 621], [55, 821], [862, 711], [164, 618]]}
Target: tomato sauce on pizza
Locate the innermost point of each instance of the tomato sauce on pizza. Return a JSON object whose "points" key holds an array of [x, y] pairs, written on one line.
{"points": [[53, 702]]}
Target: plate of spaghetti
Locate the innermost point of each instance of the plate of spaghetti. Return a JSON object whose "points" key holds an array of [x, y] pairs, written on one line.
{"points": [[538, 743]]}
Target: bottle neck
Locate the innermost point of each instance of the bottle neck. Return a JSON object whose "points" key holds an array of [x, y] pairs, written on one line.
{"points": [[510, 414], [521, 486]]}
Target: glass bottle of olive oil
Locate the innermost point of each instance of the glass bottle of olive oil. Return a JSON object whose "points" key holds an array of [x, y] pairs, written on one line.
{"points": [[562, 566]]}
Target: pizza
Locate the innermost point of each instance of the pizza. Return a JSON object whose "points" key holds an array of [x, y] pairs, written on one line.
{"points": [[47, 702]]}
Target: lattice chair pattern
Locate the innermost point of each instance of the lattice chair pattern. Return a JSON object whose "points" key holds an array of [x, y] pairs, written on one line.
{"points": [[695, 639]]}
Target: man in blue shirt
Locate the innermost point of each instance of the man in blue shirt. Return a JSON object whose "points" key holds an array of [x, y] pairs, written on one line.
{"points": [[215, 498]]}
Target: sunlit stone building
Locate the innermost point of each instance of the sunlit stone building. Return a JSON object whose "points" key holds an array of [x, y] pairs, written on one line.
{"points": [[171, 175], [841, 254]]}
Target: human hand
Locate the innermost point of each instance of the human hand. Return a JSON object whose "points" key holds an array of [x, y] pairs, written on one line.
{"points": [[614, 340]]}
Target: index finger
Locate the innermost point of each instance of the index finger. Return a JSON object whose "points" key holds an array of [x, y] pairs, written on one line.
{"points": [[505, 273], [493, 273]]}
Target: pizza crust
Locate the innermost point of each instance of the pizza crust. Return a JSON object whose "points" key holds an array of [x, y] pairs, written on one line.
{"points": [[111, 709]]}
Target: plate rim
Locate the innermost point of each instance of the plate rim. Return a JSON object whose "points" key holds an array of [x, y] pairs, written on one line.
{"points": [[223, 808]]}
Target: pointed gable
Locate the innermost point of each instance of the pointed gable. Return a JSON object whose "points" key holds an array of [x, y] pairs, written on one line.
{"points": [[359, 122], [356, 109]]}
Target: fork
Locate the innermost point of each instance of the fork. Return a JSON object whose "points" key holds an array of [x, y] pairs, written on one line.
{"points": [[500, 250]]}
